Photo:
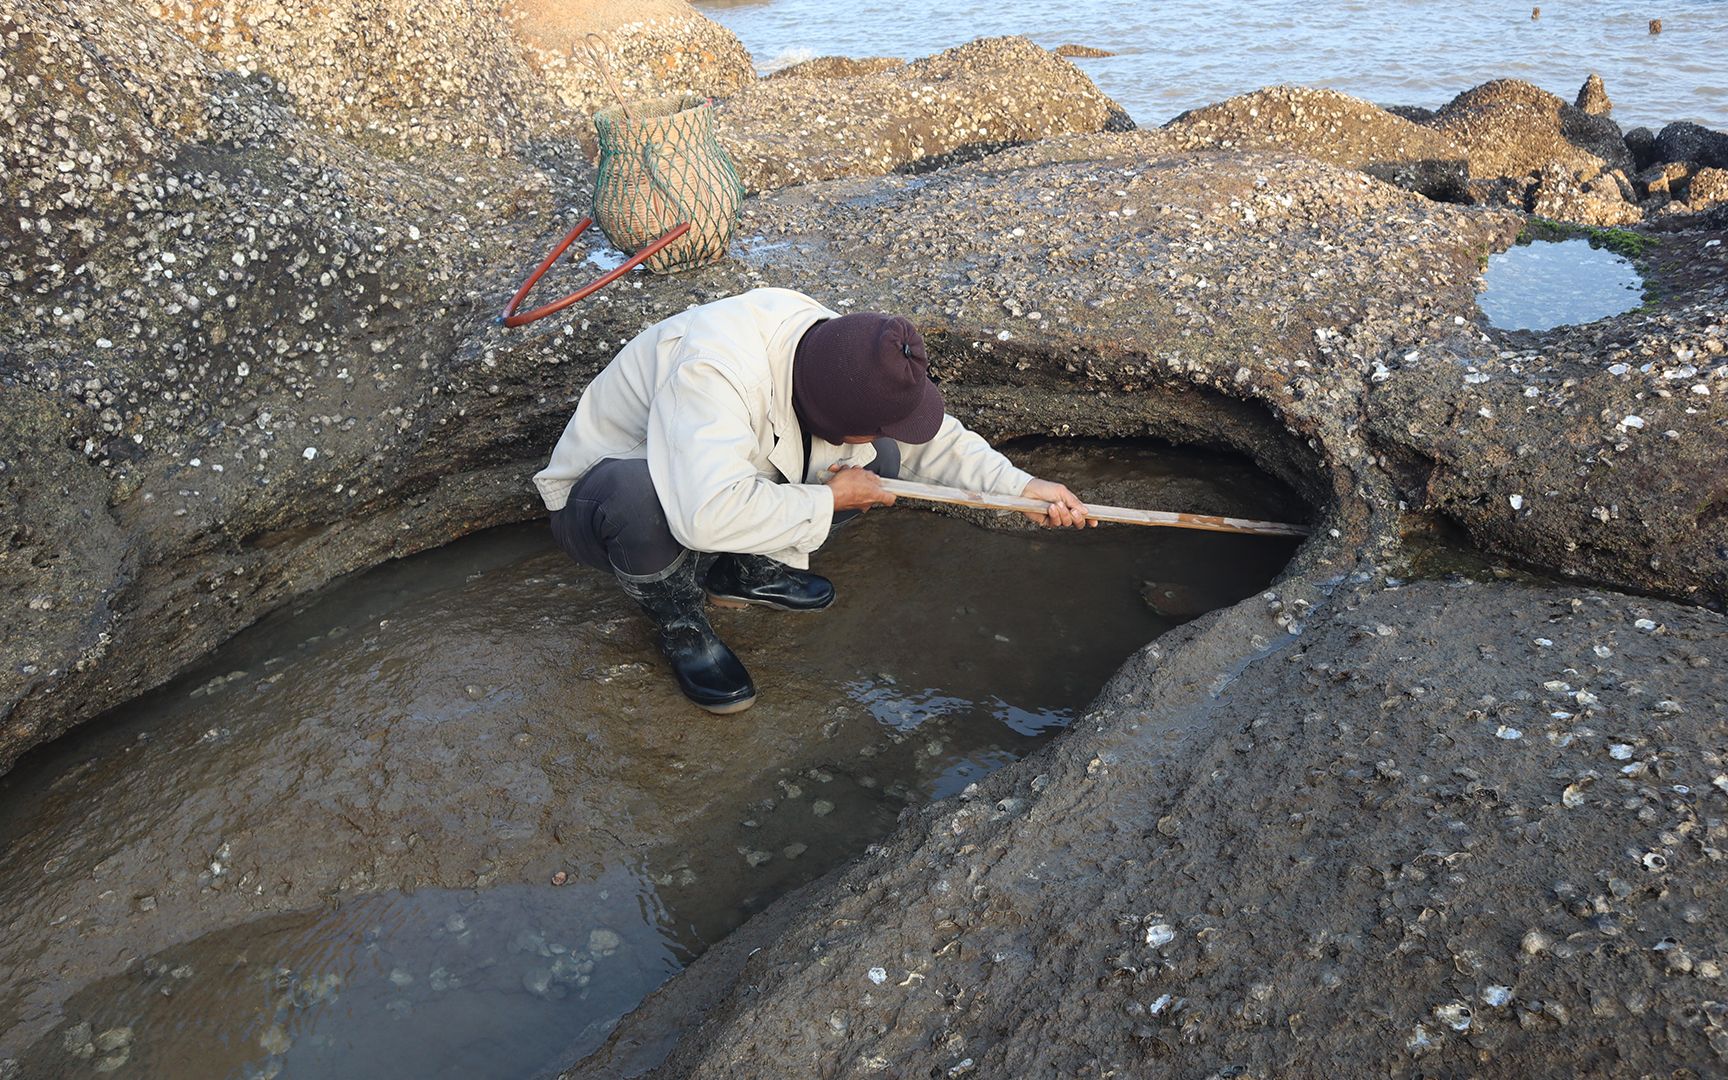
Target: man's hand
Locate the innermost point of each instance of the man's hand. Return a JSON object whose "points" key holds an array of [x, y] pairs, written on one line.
{"points": [[1066, 511], [856, 489]]}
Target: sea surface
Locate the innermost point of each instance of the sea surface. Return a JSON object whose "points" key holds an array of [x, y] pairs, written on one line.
{"points": [[1174, 55]]}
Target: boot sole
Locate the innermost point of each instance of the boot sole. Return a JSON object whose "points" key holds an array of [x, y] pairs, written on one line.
{"points": [[736, 604], [732, 707]]}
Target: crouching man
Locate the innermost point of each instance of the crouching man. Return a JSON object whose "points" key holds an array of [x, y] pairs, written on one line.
{"points": [[721, 446]]}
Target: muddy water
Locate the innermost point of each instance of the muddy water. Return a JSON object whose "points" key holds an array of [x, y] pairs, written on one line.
{"points": [[331, 851]]}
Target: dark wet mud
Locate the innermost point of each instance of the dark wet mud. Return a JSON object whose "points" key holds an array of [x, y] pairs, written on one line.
{"points": [[331, 851], [1544, 284]]}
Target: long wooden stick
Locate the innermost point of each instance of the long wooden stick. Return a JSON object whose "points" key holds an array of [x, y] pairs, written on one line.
{"points": [[1122, 514], [596, 44]]}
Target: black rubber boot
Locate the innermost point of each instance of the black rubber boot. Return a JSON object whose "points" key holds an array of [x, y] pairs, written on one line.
{"points": [[709, 673], [738, 580]]}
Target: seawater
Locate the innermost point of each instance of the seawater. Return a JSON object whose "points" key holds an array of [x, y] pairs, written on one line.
{"points": [[1182, 54]]}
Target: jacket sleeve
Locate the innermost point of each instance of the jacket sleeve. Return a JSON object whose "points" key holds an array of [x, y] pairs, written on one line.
{"points": [[700, 438], [960, 458]]}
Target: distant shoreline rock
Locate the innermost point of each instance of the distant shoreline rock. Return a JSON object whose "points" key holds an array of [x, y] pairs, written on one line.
{"points": [[1081, 51]]}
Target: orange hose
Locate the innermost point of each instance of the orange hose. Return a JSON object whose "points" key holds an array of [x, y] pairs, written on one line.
{"points": [[510, 317]]}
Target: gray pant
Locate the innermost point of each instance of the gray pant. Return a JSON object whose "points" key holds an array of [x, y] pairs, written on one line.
{"points": [[613, 520]]}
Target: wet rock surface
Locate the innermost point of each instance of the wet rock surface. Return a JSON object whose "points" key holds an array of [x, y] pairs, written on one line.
{"points": [[1593, 439], [1686, 141], [1451, 827]]}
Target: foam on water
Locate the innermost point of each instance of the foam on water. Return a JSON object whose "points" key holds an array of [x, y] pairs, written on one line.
{"points": [[785, 58]]}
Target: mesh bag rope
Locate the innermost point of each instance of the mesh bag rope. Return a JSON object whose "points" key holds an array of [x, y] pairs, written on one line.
{"points": [[666, 194], [660, 165]]}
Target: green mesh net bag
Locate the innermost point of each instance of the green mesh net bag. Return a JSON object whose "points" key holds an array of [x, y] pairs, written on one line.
{"points": [[661, 165]]}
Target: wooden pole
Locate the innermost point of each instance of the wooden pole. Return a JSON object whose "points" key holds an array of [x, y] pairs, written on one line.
{"points": [[1121, 514]]}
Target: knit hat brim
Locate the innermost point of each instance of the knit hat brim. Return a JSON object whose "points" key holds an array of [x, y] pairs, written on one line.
{"points": [[923, 422]]}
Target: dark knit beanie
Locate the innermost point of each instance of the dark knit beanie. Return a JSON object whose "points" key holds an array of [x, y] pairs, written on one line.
{"points": [[865, 374]]}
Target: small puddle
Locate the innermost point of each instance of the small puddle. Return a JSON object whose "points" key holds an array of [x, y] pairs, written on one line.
{"points": [[328, 852], [605, 259], [1547, 283]]}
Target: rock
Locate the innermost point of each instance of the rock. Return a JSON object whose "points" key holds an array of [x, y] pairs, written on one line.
{"points": [[1686, 141], [1622, 489], [1665, 180], [1562, 195], [956, 105], [1081, 51], [275, 1040], [498, 77], [1061, 976], [1416, 114], [1707, 188], [1593, 97], [76, 1039], [1511, 128], [1332, 127], [538, 981], [1177, 600], [113, 1039], [602, 941], [653, 47], [1641, 144], [837, 67], [1528, 150]]}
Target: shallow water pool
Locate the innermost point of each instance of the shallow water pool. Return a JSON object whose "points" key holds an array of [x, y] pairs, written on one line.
{"points": [[331, 852], [1544, 284]]}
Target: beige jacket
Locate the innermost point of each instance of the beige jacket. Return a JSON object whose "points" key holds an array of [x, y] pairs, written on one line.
{"points": [[706, 397]]}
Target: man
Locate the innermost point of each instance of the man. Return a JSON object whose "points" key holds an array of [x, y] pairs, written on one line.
{"points": [[721, 446]]}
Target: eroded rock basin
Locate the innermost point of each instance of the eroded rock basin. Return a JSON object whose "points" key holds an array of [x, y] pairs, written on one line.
{"points": [[330, 851]]}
